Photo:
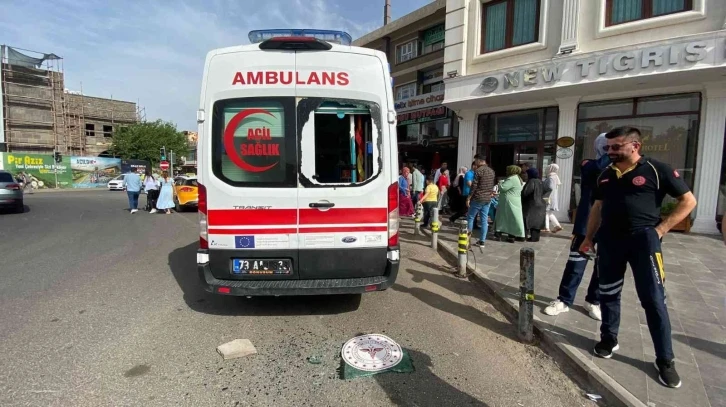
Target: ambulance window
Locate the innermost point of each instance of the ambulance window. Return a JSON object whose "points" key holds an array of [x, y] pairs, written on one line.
{"points": [[254, 142], [339, 141]]}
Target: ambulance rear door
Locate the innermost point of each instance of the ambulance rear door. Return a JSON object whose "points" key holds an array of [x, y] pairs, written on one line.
{"points": [[345, 165], [252, 202]]}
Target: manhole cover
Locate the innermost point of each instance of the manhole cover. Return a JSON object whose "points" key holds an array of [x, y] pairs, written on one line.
{"points": [[371, 352]]}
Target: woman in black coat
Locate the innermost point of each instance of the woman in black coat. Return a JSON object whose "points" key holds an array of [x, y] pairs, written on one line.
{"points": [[534, 205]]}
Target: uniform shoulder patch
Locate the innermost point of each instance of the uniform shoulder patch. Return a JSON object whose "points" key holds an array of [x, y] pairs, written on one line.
{"points": [[585, 161], [676, 174]]}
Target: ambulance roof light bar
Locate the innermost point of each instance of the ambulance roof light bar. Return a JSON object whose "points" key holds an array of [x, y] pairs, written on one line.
{"points": [[337, 37]]}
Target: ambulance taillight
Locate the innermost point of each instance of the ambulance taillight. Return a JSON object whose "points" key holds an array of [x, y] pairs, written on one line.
{"points": [[393, 219], [202, 207]]}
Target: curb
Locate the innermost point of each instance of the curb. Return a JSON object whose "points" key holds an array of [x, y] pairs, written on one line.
{"points": [[588, 373]]}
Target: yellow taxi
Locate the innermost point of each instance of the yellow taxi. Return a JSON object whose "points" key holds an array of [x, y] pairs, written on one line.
{"points": [[186, 193]]}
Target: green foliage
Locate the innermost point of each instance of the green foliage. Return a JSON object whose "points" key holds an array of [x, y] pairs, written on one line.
{"points": [[667, 208], [142, 141]]}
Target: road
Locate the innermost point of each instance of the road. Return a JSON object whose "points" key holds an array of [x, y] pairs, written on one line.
{"points": [[103, 308]]}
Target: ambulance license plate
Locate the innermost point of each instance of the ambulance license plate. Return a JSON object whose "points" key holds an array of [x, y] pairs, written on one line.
{"points": [[261, 266]]}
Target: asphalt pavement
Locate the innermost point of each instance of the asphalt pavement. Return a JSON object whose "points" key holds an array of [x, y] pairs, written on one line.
{"points": [[100, 307]]}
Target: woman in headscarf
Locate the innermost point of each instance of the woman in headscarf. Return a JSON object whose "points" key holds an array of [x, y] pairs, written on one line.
{"points": [[552, 182], [405, 206], [509, 219], [457, 202], [533, 205]]}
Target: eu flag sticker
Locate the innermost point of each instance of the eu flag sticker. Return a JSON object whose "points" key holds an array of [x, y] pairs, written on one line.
{"points": [[244, 242]]}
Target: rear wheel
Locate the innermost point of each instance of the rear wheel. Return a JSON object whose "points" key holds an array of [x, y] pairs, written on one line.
{"points": [[177, 207]]}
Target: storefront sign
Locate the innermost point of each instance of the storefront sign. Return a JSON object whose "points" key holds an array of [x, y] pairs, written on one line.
{"points": [[420, 101], [421, 116], [565, 142], [434, 35], [608, 65]]}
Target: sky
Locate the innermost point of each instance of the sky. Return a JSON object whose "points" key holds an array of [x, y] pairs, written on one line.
{"points": [[152, 51]]}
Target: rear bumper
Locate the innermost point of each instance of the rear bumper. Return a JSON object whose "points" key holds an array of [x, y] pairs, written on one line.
{"points": [[298, 286]]}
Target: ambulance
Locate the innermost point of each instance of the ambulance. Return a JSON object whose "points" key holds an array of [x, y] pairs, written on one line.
{"points": [[297, 167]]}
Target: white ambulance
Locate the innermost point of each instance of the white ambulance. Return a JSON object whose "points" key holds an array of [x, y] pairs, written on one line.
{"points": [[297, 167]]}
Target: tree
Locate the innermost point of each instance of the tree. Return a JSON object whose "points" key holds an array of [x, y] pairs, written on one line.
{"points": [[143, 141]]}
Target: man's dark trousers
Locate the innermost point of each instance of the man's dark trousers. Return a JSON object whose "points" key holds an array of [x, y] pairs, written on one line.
{"points": [[642, 250], [574, 270]]}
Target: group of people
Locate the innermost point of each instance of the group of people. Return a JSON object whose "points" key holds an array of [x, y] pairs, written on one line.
{"points": [[159, 192]]}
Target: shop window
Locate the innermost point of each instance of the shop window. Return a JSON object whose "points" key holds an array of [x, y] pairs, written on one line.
{"points": [[509, 23], [407, 51], [90, 129], [516, 126], [337, 141], [406, 91], [616, 108], [435, 129], [669, 135], [624, 11]]}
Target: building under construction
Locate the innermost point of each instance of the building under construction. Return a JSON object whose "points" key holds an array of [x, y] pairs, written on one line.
{"points": [[39, 115]]}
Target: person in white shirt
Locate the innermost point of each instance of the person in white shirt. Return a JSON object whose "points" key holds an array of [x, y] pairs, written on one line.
{"points": [[151, 187]]}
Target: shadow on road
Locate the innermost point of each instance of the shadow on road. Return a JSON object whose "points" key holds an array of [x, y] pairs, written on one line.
{"points": [[4, 211], [423, 387], [183, 265]]}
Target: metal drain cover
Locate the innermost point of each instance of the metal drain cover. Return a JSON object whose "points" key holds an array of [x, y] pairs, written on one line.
{"points": [[372, 353]]}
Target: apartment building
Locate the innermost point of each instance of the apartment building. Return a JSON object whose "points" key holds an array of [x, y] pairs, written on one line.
{"points": [[529, 77], [414, 45]]}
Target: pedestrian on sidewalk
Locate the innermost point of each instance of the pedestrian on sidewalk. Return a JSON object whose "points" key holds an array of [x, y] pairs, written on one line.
{"points": [[577, 261], [429, 200], [480, 198], [457, 199], [627, 215], [151, 187], [552, 183], [533, 205], [443, 186], [166, 193], [509, 220], [405, 205], [132, 185], [419, 181]]}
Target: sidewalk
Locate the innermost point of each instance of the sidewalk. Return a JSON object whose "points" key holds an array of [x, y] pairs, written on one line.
{"points": [[696, 288]]}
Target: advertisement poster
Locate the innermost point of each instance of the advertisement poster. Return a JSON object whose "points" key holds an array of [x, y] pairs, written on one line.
{"points": [[94, 172], [41, 168], [139, 166]]}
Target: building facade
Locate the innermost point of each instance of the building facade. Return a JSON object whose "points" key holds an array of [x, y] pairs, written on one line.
{"points": [[414, 44], [39, 115], [526, 77]]}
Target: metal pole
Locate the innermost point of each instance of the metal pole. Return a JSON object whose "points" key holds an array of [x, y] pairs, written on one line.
{"points": [[171, 163], [435, 229], [526, 294], [417, 219], [463, 246], [55, 170]]}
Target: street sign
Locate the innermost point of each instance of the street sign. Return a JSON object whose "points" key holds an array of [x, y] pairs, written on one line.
{"points": [[164, 165]]}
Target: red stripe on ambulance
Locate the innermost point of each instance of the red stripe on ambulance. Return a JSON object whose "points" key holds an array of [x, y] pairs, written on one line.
{"points": [[343, 215], [252, 217]]}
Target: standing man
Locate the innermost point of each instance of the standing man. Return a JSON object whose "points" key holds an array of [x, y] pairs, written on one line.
{"points": [[132, 184], [439, 172], [465, 185], [628, 198], [480, 197], [418, 183], [574, 270]]}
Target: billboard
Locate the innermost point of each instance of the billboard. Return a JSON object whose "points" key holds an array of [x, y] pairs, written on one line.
{"points": [[139, 166], [94, 172], [42, 168]]}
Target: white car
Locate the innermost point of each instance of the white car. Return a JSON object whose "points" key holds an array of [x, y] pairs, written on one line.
{"points": [[117, 184]]}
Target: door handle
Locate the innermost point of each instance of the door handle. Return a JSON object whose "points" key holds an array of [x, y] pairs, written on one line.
{"points": [[321, 204]]}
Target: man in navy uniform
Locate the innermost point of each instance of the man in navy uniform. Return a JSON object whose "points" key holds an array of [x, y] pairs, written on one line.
{"points": [[577, 262], [628, 198]]}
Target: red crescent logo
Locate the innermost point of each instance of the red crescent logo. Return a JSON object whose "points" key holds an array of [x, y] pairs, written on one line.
{"points": [[229, 140], [638, 181]]}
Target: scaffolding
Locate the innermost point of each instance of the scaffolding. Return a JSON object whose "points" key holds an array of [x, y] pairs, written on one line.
{"points": [[41, 115], [32, 93]]}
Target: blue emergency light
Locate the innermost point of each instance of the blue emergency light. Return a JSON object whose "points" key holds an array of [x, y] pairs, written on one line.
{"points": [[337, 37]]}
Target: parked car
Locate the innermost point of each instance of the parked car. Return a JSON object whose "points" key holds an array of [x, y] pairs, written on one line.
{"points": [[117, 184], [187, 194], [11, 193]]}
